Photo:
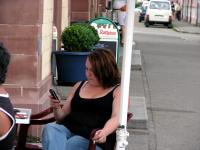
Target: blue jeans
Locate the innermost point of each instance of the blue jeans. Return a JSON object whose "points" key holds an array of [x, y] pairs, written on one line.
{"points": [[58, 137]]}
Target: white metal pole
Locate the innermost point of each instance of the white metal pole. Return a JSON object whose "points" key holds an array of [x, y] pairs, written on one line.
{"points": [[122, 133]]}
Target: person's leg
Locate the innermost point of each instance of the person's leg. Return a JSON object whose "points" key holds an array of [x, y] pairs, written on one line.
{"points": [[98, 148], [54, 137], [173, 15], [179, 15], [121, 20], [77, 142], [176, 15], [123, 31]]}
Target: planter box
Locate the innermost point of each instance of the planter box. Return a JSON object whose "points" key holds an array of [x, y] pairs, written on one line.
{"points": [[70, 67]]}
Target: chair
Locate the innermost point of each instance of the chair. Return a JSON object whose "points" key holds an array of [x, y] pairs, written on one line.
{"points": [[42, 118], [36, 119]]}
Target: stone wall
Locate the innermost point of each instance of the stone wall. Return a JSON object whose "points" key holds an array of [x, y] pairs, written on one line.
{"points": [[26, 31], [80, 10]]}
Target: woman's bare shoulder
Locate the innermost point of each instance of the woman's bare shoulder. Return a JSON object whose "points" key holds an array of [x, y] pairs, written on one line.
{"points": [[116, 91], [75, 87]]}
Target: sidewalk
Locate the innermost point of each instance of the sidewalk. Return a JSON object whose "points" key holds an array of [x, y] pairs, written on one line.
{"points": [[141, 134], [185, 27], [137, 126], [142, 138]]}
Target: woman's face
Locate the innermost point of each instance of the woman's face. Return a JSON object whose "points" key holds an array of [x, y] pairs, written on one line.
{"points": [[89, 73]]}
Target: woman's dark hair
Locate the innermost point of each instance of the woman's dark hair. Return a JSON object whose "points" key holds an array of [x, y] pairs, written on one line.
{"points": [[4, 61], [105, 67]]}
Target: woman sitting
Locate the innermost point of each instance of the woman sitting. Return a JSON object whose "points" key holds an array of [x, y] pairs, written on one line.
{"points": [[7, 119], [91, 104]]}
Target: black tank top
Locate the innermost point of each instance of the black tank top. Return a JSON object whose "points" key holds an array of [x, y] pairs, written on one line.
{"points": [[6, 106], [88, 114]]}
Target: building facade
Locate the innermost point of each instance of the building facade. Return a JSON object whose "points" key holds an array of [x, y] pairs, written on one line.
{"points": [[190, 11], [26, 30]]}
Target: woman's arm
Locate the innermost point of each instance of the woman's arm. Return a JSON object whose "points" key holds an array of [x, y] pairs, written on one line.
{"points": [[112, 124], [59, 112], [5, 123], [123, 8]]}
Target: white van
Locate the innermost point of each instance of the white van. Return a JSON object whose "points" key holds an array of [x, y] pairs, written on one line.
{"points": [[159, 11]]}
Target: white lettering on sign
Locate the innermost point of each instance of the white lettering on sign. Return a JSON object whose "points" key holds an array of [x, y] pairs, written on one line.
{"points": [[106, 31]]}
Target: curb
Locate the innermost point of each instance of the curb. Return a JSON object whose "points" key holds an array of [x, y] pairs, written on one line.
{"points": [[137, 96], [139, 110], [136, 63], [177, 29]]}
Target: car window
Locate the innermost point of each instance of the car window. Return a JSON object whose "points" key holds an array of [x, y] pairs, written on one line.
{"points": [[159, 5]]}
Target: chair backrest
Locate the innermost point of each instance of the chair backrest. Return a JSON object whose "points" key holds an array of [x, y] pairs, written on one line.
{"points": [[36, 119]]}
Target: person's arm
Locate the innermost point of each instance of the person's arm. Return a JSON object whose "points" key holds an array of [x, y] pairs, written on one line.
{"points": [[5, 123], [59, 112], [112, 124], [123, 8]]}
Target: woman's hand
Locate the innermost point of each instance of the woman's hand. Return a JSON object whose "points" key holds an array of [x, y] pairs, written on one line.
{"points": [[54, 103], [99, 137]]}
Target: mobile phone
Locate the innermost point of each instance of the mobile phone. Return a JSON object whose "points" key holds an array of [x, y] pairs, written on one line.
{"points": [[53, 94]]}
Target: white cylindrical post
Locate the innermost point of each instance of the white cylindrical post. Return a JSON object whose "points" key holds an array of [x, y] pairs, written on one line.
{"points": [[125, 81]]}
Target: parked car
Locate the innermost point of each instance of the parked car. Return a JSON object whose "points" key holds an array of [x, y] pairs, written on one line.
{"points": [[160, 12], [142, 13]]}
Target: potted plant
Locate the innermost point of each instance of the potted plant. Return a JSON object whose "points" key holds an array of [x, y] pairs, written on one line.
{"points": [[80, 37], [78, 40]]}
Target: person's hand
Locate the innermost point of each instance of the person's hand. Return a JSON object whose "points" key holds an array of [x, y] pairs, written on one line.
{"points": [[99, 137], [123, 8], [54, 103]]}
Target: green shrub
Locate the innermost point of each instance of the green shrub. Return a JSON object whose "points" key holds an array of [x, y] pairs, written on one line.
{"points": [[79, 37], [138, 4]]}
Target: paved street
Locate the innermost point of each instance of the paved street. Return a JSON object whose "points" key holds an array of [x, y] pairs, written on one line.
{"points": [[171, 83]]}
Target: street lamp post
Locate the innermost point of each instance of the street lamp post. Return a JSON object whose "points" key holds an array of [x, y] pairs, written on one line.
{"points": [[121, 132]]}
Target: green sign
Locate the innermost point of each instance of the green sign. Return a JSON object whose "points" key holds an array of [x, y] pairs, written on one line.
{"points": [[109, 35]]}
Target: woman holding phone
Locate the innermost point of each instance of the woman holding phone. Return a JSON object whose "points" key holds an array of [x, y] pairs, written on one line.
{"points": [[91, 104]]}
